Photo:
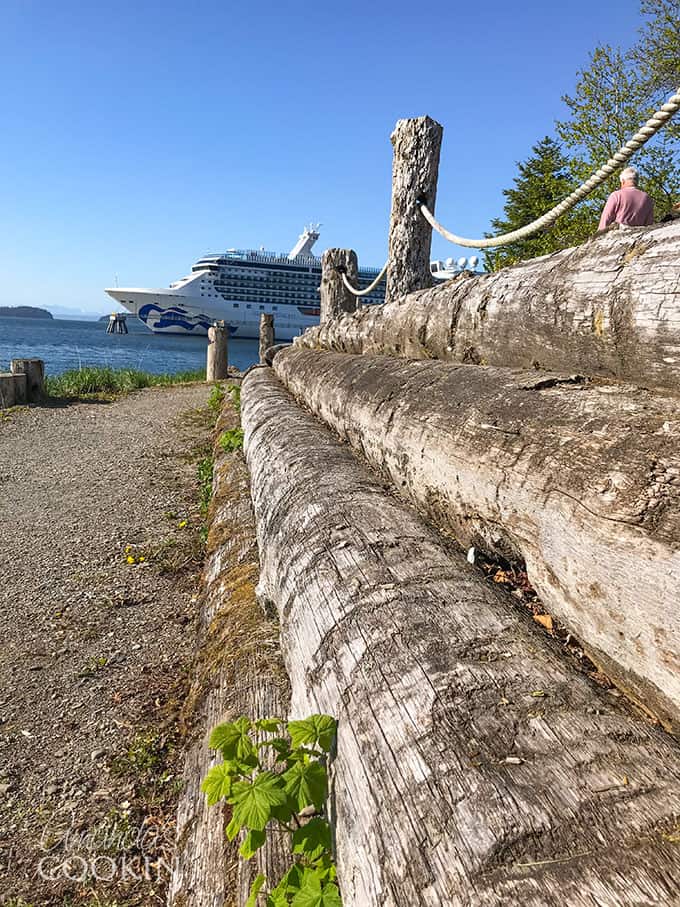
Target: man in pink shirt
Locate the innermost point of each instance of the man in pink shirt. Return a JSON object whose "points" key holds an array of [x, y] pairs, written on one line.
{"points": [[628, 205]]}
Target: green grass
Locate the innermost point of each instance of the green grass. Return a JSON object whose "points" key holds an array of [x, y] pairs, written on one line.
{"points": [[91, 380]]}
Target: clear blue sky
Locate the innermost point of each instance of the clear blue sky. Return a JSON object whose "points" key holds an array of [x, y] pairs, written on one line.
{"points": [[137, 136]]}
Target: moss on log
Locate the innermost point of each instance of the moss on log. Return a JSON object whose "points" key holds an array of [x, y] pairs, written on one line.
{"points": [[238, 671]]}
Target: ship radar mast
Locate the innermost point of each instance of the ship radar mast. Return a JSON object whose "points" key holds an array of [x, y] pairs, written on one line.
{"points": [[305, 241]]}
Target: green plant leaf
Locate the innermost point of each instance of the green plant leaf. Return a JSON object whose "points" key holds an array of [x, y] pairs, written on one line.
{"points": [[306, 784], [269, 725], [253, 800], [313, 839], [289, 884], [317, 729], [252, 843], [233, 740], [313, 893], [218, 782], [255, 890], [233, 828]]}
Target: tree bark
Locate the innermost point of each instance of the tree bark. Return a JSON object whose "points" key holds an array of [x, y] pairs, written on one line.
{"points": [[417, 143], [608, 307], [217, 357], [474, 765], [580, 480], [238, 671], [335, 297]]}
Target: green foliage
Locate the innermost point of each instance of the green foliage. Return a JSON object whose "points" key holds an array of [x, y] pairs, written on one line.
{"points": [[543, 181], [609, 105], [215, 400], [657, 53], [614, 95], [204, 474], [231, 440], [90, 380], [234, 391], [259, 795]]}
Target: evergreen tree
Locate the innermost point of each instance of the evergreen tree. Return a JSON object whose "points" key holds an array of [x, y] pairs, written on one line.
{"points": [[544, 180]]}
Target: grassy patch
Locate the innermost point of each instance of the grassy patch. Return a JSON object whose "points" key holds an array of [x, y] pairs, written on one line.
{"points": [[204, 472], [215, 401], [91, 380]]}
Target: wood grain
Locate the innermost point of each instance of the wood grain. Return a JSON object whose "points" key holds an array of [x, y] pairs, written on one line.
{"points": [[474, 766], [608, 307], [580, 480]]}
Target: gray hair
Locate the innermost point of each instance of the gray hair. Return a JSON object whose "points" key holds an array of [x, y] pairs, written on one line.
{"points": [[629, 174]]}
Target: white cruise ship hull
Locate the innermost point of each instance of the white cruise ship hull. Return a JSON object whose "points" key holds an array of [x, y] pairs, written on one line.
{"points": [[165, 312], [237, 287]]}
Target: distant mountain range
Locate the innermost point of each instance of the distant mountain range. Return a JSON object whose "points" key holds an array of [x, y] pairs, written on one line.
{"points": [[23, 311]]}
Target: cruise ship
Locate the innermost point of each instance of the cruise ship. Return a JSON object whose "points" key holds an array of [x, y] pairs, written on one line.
{"points": [[236, 287]]}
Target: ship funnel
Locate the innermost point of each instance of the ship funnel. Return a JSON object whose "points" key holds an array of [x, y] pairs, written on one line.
{"points": [[305, 241]]}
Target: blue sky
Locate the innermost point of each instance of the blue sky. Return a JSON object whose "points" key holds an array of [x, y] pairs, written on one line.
{"points": [[138, 136]]}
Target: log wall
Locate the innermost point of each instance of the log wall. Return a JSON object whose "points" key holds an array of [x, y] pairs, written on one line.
{"points": [[474, 765], [580, 480], [608, 307]]}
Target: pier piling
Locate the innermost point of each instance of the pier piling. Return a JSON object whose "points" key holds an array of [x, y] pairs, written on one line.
{"points": [[417, 143], [335, 297], [34, 370], [217, 359], [266, 335]]}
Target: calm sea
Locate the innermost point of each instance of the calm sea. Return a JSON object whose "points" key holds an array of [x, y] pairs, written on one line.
{"points": [[69, 344]]}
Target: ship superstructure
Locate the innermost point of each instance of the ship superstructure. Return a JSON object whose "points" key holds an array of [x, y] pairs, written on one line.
{"points": [[236, 287]]}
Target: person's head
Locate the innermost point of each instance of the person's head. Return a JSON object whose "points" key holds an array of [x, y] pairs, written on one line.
{"points": [[629, 177]]}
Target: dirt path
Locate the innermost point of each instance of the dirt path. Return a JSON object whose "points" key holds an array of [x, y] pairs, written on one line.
{"points": [[95, 648]]}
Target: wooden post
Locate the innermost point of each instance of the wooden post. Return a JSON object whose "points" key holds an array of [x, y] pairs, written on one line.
{"points": [[335, 297], [266, 334], [34, 369], [216, 366], [416, 143]]}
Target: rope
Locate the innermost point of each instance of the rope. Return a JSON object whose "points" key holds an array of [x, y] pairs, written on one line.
{"points": [[367, 289], [644, 134]]}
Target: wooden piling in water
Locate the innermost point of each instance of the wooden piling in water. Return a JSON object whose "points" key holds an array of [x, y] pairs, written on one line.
{"points": [[335, 297], [217, 357], [266, 335], [417, 143]]}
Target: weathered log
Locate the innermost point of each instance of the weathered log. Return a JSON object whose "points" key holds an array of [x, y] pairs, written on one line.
{"points": [[238, 671], [266, 335], [582, 481], [417, 143], [12, 389], [608, 307], [335, 297], [474, 765], [218, 354], [34, 370]]}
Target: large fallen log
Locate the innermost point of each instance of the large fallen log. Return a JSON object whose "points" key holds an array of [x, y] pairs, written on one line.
{"points": [[608, 307], [580, 480], [237, 671], [474, 765]]}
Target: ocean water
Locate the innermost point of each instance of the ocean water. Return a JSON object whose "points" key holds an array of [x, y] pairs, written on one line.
{"points": [[65, 344]]}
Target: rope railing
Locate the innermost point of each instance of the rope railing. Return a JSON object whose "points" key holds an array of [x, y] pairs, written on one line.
{"points": [[369, 288], [645, 133]]}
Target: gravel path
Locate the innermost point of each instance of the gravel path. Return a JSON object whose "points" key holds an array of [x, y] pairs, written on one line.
{"points": [[94, 650]]}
